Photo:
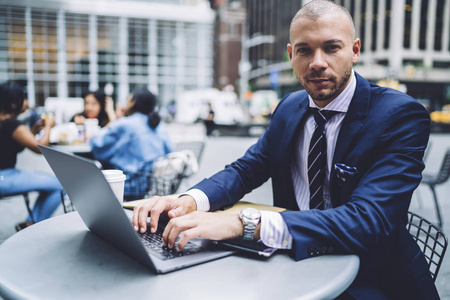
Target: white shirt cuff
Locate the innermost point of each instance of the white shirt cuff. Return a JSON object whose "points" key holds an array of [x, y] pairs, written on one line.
{"points": [[274, 232], [200, 199]]}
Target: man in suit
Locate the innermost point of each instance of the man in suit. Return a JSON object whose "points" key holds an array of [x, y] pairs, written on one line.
{"points": [[374, 140]]}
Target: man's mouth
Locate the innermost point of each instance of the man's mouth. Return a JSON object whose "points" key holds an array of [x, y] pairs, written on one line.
{"points": [[319, 82]]}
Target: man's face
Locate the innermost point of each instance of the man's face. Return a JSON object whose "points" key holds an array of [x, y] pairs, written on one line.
{"points": [[322, 53]]}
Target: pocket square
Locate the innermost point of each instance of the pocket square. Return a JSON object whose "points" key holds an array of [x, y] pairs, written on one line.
{"points": [[344, 172]]}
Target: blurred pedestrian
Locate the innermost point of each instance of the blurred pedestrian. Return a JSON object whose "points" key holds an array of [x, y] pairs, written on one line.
{"points": [[209, 121], [15, 137], [96, 106]]}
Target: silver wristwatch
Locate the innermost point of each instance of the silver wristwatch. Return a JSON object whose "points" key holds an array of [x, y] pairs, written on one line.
{"points": [[250, 218]]}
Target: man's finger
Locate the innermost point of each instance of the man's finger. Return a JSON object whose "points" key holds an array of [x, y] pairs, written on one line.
{"points": [[175, 227], [161, 205], [142, 214], [187, 236], [134, 219], [178, 211]]}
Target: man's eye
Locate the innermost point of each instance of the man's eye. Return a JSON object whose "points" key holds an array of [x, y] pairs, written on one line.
{"points": [[302, 50], [332, 48]]}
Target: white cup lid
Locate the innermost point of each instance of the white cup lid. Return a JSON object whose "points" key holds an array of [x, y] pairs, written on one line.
{"points": [[111, 175]]}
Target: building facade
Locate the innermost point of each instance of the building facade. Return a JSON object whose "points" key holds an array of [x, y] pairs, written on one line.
{"points": [[63, 48], [403, 40], [228, 33]]}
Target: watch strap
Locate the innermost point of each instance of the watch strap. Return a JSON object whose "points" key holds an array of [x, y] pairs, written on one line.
{"points": [[249, 231]]}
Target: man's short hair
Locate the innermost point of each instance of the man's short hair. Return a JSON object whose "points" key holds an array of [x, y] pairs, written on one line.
{"points": [[317, 8]]}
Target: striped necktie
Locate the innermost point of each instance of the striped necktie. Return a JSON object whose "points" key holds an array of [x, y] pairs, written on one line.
{"points": [[317, 158]]}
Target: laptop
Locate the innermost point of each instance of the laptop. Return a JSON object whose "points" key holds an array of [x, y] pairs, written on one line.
{"points": [[103, 214]]}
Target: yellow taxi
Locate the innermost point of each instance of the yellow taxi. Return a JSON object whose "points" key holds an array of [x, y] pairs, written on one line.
{"points": [[442, 116]]}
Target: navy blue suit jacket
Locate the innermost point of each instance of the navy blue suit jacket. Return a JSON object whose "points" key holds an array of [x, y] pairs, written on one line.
{"points": [[383, 137]]}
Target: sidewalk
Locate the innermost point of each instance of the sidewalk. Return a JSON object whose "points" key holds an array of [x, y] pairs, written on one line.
{"points": [[223, 150]]}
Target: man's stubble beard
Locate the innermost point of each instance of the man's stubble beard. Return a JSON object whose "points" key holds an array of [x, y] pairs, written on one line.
{"points": [[334, 92]]}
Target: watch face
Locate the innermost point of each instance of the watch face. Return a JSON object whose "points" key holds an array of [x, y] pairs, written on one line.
{"points": [[251, 213]]}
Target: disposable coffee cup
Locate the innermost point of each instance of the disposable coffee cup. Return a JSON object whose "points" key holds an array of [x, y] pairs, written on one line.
{"points": [[116, 180]]}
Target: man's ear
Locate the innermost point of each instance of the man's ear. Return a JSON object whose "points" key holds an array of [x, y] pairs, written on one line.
{"points": [[289, 50], [356, 50]]}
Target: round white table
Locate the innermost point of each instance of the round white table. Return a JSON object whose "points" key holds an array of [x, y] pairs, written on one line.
{"points": [[60, 258]]}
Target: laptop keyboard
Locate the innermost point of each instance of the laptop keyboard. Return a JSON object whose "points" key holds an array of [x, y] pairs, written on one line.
{"points": [[153, 243]]}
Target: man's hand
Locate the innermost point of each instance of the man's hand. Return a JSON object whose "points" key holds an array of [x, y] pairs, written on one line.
{"points": [[172, 207], [206, 225]]}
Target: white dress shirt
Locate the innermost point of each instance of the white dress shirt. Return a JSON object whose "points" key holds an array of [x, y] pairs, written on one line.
{"points": [[274, 232]]}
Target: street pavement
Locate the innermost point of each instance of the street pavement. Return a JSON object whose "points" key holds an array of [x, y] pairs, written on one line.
{"points": [[220, 151]]}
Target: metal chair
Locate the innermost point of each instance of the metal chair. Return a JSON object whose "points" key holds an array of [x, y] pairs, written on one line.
{"points": [[145, 183], [439, 178], [431, 240], [142, 185], [424, 159], [427, 151], [66, 203], [196, 147], [26, 198]]}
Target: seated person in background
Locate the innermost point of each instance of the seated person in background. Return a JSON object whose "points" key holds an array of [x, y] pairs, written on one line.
{"points": [[14, 137], [133, 142], [344, 156], [96, 105]]}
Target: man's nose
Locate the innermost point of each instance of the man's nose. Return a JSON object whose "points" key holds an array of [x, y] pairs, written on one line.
{"points": [[319, 61]]}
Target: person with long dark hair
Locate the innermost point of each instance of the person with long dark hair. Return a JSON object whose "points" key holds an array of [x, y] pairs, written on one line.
{"points": [[96, 106], [15, 137], [136, 140]]}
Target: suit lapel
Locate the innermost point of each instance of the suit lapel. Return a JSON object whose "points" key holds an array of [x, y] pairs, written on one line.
{"points": [[358, 110]]}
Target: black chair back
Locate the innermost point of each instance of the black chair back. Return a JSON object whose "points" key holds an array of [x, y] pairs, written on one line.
{"points": [[444, 172], [431, 240]]}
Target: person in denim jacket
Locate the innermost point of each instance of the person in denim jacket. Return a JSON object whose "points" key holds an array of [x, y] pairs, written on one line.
{"points": [[133, 142]]}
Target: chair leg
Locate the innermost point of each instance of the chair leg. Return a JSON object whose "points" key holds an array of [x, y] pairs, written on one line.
{"points": [[418, 197], [27, 204], [63, 204], [436, 205], [65, 207]]}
